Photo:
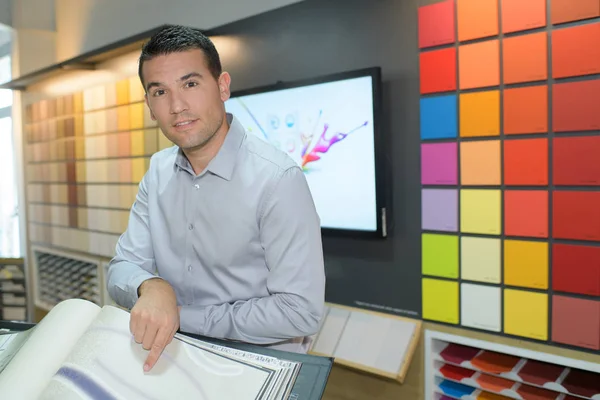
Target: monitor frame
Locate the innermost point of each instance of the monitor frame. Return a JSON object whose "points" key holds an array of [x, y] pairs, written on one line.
{"points": [[381, 205]]}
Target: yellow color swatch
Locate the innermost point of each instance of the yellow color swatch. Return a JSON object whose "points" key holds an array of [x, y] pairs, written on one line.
{"points": [[123, 92], [138, 169], [136, 90], [526, 264], [123, 120], [137, 143], [111, 94], [136, 116], [526, 314], [480, 114], [480, 259], [480, 211], [440, 300], [78, 102], [480, 162]]}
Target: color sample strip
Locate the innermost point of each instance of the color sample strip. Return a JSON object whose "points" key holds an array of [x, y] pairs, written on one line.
{"points": [[438, 70], [439, 255], [576, 322], [458, 353], [478, 64], [535, 393], [456, 373], [526, 162], [480, 259], [480, 114], [436, 24], [480, 307], [438, 117], [582, 383], [525, 58], [575, 106], [494, 363], [576, 51], [526, 314], [576, 215], [526, 264], [439, 210], [494, 383], [456, 390], [476, 19], [525, 110], [539, 373], [519, 15], [575, 161], [576, 269], [439, 164], [526, 213], [480, 162], [573, 10], [440, 300], [480, 211]]}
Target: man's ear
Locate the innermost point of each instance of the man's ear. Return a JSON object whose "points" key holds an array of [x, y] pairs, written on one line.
{"points": [[224, 86], [148, 104]]}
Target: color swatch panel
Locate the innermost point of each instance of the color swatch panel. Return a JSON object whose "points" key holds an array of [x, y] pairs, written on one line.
{"points": [[576, 322], [525, 58], [438, 70], [576, 51], [576, 269], [526, 162], [439, 210], [479, 64], [439, 163], [480, 162], [576, 105], [525, 110], [519, 15], [438, 117], [476, 19], [575, 161], [436, 24], [440, 255], [563, 11]]}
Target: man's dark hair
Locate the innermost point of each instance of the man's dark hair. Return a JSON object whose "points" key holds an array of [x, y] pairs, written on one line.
{"points": [[176, 38]]}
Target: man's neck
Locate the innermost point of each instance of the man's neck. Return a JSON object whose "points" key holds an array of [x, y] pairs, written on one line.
{"points": [[199, 158]]}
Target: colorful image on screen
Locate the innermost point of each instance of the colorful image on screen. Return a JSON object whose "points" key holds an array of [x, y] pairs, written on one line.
{"points": [[327, 128]]}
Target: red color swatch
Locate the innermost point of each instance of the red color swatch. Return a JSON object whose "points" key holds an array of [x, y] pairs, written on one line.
{"points": [[576, 161], [519, 15], [525, 58], [495, 363], [576, 51], [438, 70], [573, 10], [526, 213], [526, 162], [576, 322], [457, 354], [582, 383], [526, 110], [576, 269], [539, 373], [436, 24], [576, 106], [576, 215], [456, 373], [535, 393]]}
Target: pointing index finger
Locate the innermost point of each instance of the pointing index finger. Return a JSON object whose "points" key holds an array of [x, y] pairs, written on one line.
{"points": [[160, 342]]}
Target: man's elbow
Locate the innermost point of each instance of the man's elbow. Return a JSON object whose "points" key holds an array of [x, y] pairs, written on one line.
{"points": [[306, 317]]}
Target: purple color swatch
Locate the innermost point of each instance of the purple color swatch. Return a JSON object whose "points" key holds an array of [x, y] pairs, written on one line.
{"points": [[439, 210], [439, 164]]}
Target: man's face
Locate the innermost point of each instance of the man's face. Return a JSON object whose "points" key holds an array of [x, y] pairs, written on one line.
{"points": [[185, 99]]}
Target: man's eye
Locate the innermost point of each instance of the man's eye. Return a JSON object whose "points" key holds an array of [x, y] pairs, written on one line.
{"points": [[159, 92], [191, 84]]}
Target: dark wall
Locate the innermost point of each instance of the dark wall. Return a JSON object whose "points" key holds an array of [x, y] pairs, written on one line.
{"points": [[318, 37]]}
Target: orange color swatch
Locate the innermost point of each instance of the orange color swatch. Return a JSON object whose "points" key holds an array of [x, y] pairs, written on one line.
{"points": [[576, 51], [436, 24], [476, 19], [520, 15], [576, 106], [573, 10], [480, 162], [526, 162], [526, 110], [438, 70], [479, 64], [525, 58], [480, 114], [526, 213], [526, 264]]}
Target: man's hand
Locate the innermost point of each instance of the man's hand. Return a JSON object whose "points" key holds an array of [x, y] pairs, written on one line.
{"points": [[154, 318]]}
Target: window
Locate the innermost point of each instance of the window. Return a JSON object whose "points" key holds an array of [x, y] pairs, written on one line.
{"points": [[6, 96]]}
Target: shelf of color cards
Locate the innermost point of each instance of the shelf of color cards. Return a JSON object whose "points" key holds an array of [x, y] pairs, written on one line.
{"points": [[579, 383], [493, 384], [447, 389]]}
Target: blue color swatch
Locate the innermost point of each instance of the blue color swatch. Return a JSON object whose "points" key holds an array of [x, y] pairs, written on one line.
{"points": [[439, 117], [456, 390]]}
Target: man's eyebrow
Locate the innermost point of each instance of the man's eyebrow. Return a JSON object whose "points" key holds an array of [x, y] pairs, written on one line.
{"points": [[183, 78]]}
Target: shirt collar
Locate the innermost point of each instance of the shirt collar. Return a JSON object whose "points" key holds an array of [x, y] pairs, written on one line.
{"points": [[224, 162]]}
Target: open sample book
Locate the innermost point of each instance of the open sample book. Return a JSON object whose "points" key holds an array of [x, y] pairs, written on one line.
{"points": [[82, 351]]}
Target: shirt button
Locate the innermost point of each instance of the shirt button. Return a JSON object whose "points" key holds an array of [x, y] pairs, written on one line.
{"points": [[197, 186], [189, 268], [190, 227]]}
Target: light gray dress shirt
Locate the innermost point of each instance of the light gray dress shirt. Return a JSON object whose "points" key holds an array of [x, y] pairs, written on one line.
{"points": [[240, 243]]}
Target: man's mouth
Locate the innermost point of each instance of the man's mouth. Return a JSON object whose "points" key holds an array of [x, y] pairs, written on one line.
{"points": [[185, 124]]}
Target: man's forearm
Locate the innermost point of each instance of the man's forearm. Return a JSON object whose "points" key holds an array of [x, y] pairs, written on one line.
{"points": [[124, 279], [260, 321]]}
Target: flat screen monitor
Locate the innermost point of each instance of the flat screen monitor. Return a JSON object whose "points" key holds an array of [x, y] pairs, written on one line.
{"points": [[330, 126]]}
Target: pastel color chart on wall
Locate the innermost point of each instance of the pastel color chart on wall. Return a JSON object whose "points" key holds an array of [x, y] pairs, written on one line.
{"points": [[510, 168]]}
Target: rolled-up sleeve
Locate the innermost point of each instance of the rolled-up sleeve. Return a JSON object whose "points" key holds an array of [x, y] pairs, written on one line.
{"points": [[290, 233], [134, 257]]}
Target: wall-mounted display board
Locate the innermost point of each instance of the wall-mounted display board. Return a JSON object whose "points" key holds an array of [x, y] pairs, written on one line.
{"points": [[510, 168], [85, 155]]}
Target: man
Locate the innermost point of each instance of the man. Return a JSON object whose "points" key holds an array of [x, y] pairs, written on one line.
{"points": [[223, 237]]}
